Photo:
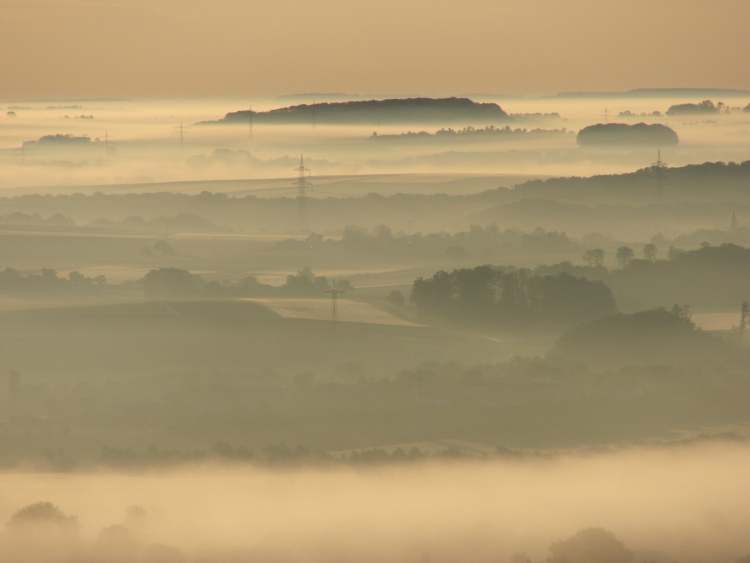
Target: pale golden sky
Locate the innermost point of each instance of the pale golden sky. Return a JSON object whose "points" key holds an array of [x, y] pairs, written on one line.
{"points": [[430, 47]]}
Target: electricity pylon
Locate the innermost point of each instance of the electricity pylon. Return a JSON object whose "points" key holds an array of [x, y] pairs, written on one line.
{"points": [[303, 184], [250, 120], [335, 293], [659, 167]]}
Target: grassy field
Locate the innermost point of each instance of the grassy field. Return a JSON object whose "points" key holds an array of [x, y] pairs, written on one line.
{"points": [[321, 309], [214, 336], [344, 185], [717, 320]]}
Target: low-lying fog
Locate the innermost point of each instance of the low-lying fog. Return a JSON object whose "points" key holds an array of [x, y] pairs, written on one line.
{"points": [[366, 346], [689, 503], [136, 141]]}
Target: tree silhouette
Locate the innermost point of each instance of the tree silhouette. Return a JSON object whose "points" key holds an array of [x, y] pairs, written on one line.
{"points": [[649, 252], [594, 257], [593, 545], [495, 295], [396, 298], [41, 514], [624, 255]]}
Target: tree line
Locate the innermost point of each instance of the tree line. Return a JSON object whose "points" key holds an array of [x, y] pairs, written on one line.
{"points": [[505, 296]]}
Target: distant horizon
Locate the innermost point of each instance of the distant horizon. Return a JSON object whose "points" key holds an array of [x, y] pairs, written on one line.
{"points": [[290, 97]]}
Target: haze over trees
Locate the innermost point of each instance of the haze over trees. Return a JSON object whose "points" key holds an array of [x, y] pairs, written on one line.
{"points": [[620, 134], [588, 546], [350, 282], [651, 337], [706, 107], [708, 277], [58, 141], [470, 134], [511, 298], [700, 182]]}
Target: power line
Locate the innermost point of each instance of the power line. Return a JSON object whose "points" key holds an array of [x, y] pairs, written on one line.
{"points": [[303, 184]]}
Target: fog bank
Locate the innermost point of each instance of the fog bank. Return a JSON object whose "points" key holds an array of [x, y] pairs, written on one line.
{"points": [[688, 504]]}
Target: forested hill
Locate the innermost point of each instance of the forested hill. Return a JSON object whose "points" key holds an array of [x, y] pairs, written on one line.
{"points": [[709, 181], [400, 110], [622, 134]]}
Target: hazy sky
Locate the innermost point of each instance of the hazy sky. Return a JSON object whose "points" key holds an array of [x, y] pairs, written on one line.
{"points": [[258, 47]]}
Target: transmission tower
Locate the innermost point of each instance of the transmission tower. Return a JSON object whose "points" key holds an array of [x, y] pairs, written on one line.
{"points": [[335, 293], [659, 167], [303, 184], [250, 120], [182, 135], [659, 162], [744, 315]]}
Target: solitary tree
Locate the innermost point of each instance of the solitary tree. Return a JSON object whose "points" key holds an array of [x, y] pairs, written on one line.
{"points": [[41, 514], [396, 298], [170, 283], [649, 252], [593, 545], [624, 256], [594, 257]]}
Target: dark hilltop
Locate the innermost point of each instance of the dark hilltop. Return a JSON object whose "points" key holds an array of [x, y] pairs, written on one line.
{"points": [[621, 134], [399, 110]]}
